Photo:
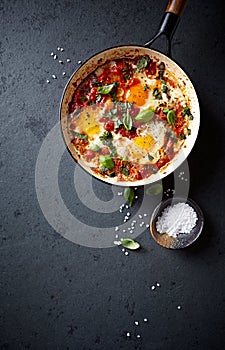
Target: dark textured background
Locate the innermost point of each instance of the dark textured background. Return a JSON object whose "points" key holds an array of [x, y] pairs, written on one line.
{"points": [[58, 295]]}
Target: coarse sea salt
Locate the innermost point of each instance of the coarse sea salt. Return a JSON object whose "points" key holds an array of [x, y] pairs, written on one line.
{"points": [[176, 219]]}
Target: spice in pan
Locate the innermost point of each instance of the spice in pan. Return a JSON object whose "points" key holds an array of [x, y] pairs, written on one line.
{"points": [[177, 219]]}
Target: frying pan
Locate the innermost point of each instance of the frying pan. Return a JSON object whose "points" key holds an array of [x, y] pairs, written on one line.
{"points": [[167, 28]]}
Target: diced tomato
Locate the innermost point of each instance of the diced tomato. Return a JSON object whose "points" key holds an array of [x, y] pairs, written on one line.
{"points": [[89, 155], [109, 125], [151, 69], [126, 133]]}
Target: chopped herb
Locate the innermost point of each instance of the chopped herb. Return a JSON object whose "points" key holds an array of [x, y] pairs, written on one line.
{"points": [[145, 116], [146, 87], [113, 150], [112, 174], [164, 88], [106, 136], [157, 94], [129, 195], [182, 136], [83, 98], [154, 189], [107, 162], [171, 117], [161, 72], [81, 136], [124, 170], [127, 121], [130, 244], [91, 103], [162, 66], [187, 112], [150, 157], [142, 63], [189, 131]]}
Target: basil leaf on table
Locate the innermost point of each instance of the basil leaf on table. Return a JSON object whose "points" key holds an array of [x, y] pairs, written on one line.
{"points": [[107, 162], [154, 189], [130, 244], [145, 116], [129, 195]]}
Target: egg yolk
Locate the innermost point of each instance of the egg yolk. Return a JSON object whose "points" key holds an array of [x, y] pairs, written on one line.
{"points": [[144, 142], [137, 94], [87, 122]]}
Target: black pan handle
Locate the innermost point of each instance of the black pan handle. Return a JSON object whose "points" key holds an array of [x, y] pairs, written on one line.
{"points": [[169, 22]]}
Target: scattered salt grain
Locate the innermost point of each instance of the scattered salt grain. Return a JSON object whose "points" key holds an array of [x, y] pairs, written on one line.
{"points": [[68, 60], [116, 228], [60, 61], [176, 219], [136, 323], [54, 57], [52, 54], [58, 48], [126, 253], [116, 236], [145, 320], [47, 81], [63, 73], [123, 250], [136, 197], [153, 287], [54, 76], [145, 215], [138, 336], [158, 284], [147, 225], [131, 231], [117, 242], [128, 334], [127, 206], [178, 307], [61, 49], [140, 216], [79, 62]]}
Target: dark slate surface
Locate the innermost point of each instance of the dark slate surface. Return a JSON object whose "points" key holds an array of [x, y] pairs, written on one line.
{"points": [[59, 295]]}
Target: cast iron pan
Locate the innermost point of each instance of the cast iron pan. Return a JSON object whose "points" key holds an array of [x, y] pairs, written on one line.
{"points": [[167, 27]]}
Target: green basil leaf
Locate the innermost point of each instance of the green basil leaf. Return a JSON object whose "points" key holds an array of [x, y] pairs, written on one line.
{"points": [[130, 244], [106, 89], [107, 162], [127, 121], [95, 148], [145, 116], [171, 117], [154, 189], [142, 62], [129, 195]]}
